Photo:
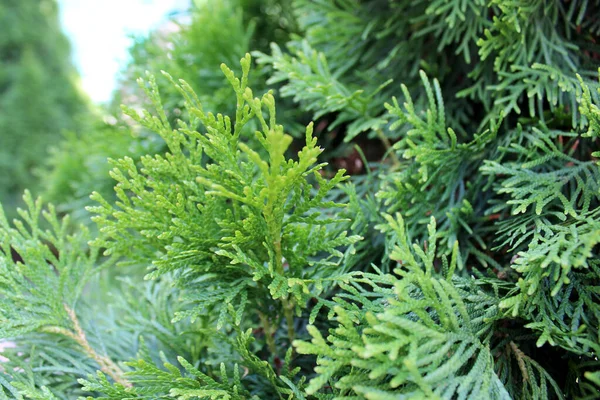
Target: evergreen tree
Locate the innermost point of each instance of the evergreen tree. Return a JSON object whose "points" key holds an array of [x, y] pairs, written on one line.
{"points": [[38, 94]]}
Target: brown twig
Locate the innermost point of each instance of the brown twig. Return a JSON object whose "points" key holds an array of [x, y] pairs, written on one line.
{"points": [[388, 147], [519, 355], [108, 366]]}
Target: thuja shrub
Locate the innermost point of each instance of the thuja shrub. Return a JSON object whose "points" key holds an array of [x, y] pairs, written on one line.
{"points": [[461, 263]]}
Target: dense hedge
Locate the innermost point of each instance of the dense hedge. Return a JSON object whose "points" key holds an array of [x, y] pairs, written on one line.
{"points": [[432, 234]]}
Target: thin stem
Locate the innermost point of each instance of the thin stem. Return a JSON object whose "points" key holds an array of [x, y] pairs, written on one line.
{"points": [[278, 257], [288, 306], [268, 329], [108, 366], [288, 310], [388, 147], [520, 356]]}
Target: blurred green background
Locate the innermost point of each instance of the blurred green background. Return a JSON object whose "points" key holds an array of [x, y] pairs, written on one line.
{"points": [[39, 98]]}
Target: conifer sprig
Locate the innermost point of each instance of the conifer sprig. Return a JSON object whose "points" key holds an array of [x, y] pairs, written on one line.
{"points": [[227, 211], [43, 272], [416, 334]]}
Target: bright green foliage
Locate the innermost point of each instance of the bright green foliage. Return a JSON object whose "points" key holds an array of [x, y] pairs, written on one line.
{"points": [[189, 48], [169, 383], [233, 223], [421, 334], [270, 275], [417, 336], [39, 286], [589, 110], [38, 96]]}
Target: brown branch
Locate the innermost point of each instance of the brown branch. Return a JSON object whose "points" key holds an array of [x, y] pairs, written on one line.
{"points": [[108, 366]]}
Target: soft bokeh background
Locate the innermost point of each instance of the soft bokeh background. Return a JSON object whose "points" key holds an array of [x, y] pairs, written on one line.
{"points": [[57, 60]]}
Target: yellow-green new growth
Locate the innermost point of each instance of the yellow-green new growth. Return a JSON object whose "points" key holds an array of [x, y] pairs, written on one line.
{"points": [[228, 211]]}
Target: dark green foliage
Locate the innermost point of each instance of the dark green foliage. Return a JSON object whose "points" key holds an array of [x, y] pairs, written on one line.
{"points": [[489, 57]]}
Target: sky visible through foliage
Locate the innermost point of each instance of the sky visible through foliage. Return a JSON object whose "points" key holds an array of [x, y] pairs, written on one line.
{"points": [[100, 36]]}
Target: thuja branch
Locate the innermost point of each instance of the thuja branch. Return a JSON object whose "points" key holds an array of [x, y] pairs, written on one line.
{"points": [[229, 201], [108, 366]]}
